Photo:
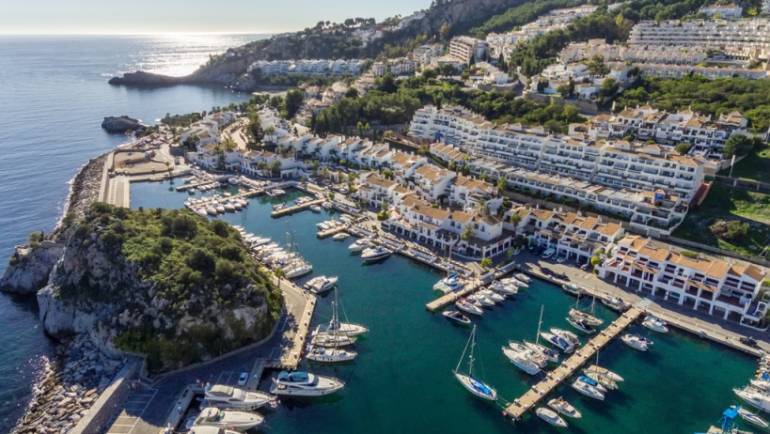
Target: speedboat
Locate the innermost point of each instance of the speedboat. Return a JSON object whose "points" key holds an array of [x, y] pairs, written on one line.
{"points": [[655, 324], [521, 277], [564, 408], [375, 254], [224, 396], [298, 270], [615, 303], [315, 208], [752, 418], [456, 317], [359, 245], [580, 325], [468, 307], [449, 283], [330, 355], [567, 335], [521, 360], [604, 372], [587, 389], [502, 288], [492, 295], [341, 236], [300, 383], [572, 289], [208, 429], [237, 420], [320, 284], [756, 398], [482, 299], [551, 417], [585, 317], [636, 342], [559, 342]]}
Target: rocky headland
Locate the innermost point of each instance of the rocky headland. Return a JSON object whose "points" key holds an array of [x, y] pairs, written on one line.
{"points": [[122, 124], [356, 38]]}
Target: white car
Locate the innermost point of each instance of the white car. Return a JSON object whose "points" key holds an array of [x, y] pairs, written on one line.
{"points": [[548, 253], [243, 378], [561, 259]]}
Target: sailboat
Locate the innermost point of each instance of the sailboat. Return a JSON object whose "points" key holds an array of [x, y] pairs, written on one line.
{"points": [[473, 385], [548, 353], [584, 318], [343, 328]]}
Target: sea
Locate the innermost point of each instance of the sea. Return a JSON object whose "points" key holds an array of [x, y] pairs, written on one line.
{"points": [[54, 95]]}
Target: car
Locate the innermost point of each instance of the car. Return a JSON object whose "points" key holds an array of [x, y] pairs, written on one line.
{"points": [[548, 253], [749, 341], [561, 259], [243, 378], [585, 267]]}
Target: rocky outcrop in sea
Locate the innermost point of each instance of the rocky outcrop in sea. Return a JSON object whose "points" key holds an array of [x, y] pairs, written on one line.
{"points": [[122, 124], [68, 385]]}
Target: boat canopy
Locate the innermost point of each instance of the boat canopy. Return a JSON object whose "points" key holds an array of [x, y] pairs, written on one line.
{"points": [[297, 376]]}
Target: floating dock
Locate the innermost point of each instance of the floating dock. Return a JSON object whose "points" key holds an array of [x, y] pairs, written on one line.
{"points": [[530, 399]]}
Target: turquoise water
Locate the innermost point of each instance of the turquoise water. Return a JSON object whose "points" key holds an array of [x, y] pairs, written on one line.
{"points": [[54, 94], [402, 381]]}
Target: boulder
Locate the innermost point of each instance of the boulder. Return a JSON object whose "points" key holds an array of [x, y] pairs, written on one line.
{"points": [[121, 124], [145, 79]]}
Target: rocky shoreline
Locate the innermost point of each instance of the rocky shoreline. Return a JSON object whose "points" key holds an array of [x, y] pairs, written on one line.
{"points": [[84, 189], [69, 384]]}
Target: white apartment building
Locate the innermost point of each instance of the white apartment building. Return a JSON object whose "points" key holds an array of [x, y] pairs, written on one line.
{"points": [[707, 135], [726, 288], [401, 66], [740, 39], [466, 49], [727, 12], [308, 67], [613, 164], [432, 181], [424, 54]]}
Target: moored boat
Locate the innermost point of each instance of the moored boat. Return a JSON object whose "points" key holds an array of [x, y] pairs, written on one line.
{"points": [[321, 284], [564, 408], [558, 342], [580, 325], [572, 289], [237, 420], [330, 355], [521, 359], [754, 397], [615, 303], [587, 389], [752, 418], [456, 317], [551, 417], [636, 342], [468, 307], [603, 371], [655, 324], [375, 254], [304, 384], [341, 236], [472, 384], [224, 396]]}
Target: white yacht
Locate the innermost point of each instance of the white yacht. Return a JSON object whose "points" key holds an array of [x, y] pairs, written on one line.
{"points": [[565, 334], [615, 303], [603, 371], [315, 208], [606, 382], [237, 420], [343, 328], [549, 354], [492, 295], [297, 270], [320, 284], [224, 396], [503, 288], [655, 324], [374, 254], [752, 418], [564, 408], [551, 417], [636, 342], [580, 325], [572, 289], [449, 283], [756, 398], [330, 355], [522, 360], [341, 236], [585, 317], [587, 389], [208, 429], [522, 278], [468, 307], [359, 245], [558, 342], [300, 383]]}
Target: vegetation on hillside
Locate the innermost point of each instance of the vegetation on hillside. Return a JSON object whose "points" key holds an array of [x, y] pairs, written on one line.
{"points": [[188, 266], [520, 15], [394, 102]]}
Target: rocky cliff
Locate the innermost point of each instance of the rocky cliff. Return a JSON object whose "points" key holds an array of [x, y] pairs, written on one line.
{"points": [[443, 19], [30, 266]]}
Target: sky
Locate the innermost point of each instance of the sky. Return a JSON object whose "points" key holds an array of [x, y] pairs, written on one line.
{"points": [[187, 16]]}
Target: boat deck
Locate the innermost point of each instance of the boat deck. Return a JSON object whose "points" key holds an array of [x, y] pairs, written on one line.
{"points": [[529, 400]]}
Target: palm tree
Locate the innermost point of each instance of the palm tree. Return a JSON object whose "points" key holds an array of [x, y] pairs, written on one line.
{"points": [[279, 274]]}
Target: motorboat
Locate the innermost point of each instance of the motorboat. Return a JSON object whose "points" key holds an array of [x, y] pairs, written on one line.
{"points": [[472, 384], [521, 360], [604, 372], [636, 342], [502, 288], [492, 295], [315, 208], [468, 307], [341, 236], [572, 289], [327, 205], [586, 389], [615, 303], [655, 324], [548, 353], [375, 254], [482, 299], [754, 397], [551, 417], [761, 383], [320, 284], [752, 418], [359, 245], [567, 335], [580, 325], [456, 317], [564, 408], [300, 383], [298, 270], [224, 396], [521, 277], [237, 420], [558, 342], [331, 339], [330, 355], [449, 283]]}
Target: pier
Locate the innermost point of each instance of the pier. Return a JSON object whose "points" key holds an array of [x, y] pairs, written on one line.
{"points": [[333, 231], [526, 402], [296, 208], [291, 354]]}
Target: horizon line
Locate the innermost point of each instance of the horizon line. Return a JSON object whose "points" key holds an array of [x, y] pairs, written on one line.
{"points": [[181, 33]]}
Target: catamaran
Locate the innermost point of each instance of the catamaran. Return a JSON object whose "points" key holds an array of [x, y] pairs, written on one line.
{"points": [[581, 325], [473, 385], [237, 420], [564, 408], [551, 417], [304, 384], [606, 382], [600, 370]]}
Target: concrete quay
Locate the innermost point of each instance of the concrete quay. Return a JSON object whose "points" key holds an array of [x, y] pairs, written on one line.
{"points": [[296, 208], [553, 379]]}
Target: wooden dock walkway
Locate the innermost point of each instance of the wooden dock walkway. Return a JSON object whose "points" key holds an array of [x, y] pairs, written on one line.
{"points": [[529, 400], [296, 208]]}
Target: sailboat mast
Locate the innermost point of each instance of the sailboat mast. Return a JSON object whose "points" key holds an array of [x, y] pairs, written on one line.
{"points": [[539, 324], [470, 357], [462, 356]]}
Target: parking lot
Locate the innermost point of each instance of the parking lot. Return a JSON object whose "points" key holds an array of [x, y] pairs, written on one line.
{"points": [[129, 421]]}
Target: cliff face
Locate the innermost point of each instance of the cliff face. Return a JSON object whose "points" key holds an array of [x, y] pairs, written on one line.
{"points": [[166, 284], [339, 41], [30, 266]]}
